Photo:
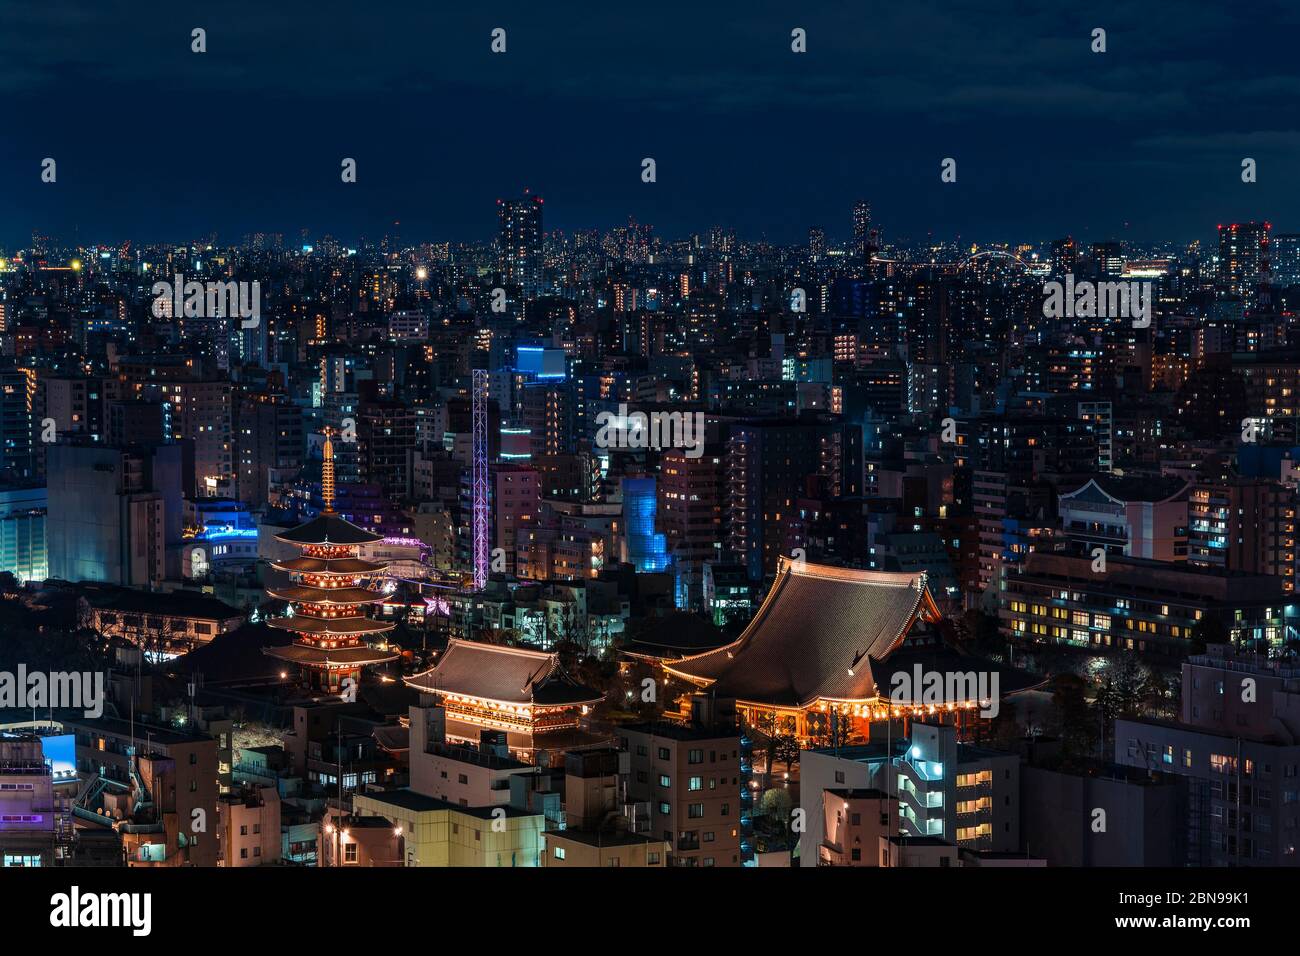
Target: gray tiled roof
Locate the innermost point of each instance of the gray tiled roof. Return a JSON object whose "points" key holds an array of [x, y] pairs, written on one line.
{"points": [[510, 675]]}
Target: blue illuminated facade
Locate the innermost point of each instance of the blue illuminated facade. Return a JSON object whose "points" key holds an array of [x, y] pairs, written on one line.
{"points": [[647, 549]]}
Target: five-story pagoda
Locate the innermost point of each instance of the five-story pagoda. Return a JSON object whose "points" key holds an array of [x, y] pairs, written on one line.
{"points": [[328, 595]]}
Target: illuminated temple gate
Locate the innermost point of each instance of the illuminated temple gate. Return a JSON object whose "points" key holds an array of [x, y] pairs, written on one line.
{"points": [[522, 693]]}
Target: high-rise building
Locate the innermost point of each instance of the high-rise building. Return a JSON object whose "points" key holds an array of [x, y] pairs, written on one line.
{"points": [[27, 805], [1285, 252], [1065, 256], [690, 515], [268, 435], [74, 402], [1225, 748], [769, 463], [1244, 260], [1108, 259], [643, 547], [22, 531], [519, 242], [516, 506], [114, 514], [17, 402], [861, 229], [1242, 524], [385, 430], [816, 244]]}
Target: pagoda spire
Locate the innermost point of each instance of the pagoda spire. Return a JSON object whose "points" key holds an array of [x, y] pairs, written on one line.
{"points": [[327, 473]]}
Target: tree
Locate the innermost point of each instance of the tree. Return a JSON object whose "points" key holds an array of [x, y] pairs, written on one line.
{"points": [[1210, 629], [1073, 719], [1160, 695], [784, 747], [1004, 730], [979, 633], [1122, 688], [772, 830], [776, 803]]}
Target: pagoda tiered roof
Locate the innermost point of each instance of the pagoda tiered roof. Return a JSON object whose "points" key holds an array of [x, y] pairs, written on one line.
{"points": [[304, 594], [307, 565], [331, 626], [816, 637], [328, 528], [360, 655]]}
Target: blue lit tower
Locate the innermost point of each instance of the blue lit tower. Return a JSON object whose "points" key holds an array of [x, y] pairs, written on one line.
{"points": [[646, 548]]}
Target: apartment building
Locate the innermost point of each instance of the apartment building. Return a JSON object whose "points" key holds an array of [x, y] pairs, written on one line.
{"points": [[690, 776], [927, 785], [1237, 753], [250, 827], [1138, 605], [423, 831], [600, 827]]}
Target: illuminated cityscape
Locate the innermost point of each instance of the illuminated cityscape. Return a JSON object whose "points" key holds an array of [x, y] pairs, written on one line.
{"points": [[562, 468]]}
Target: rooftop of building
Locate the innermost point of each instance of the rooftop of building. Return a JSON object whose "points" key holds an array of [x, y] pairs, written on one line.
{"points": [[686, 732], [871, 752], [1146, 488], [968, 753], [139, 731], [191, 604], [1154, 577], [414, 802], [920, 841], [858, 793], [603, 838], [464, 753]]}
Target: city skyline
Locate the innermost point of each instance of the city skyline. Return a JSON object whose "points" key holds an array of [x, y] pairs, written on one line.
{"points": [[304, 238]]}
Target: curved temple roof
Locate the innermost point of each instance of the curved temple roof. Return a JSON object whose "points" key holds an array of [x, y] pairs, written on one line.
{"points": [[303, 594], [507, 675], [330, 566], [328, 529], [330, 627], [814, 637], [343, 657]]}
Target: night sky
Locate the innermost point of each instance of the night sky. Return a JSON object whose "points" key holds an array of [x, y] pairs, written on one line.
{"points": [[154, 142]]}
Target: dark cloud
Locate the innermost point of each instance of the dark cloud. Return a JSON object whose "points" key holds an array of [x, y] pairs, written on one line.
{"points": [[152, 139]]}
